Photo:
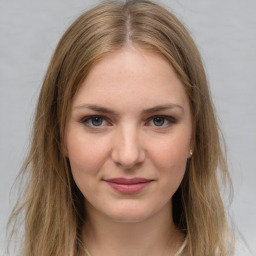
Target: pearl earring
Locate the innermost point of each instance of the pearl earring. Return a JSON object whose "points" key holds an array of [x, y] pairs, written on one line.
{"points": [[191, 152]]}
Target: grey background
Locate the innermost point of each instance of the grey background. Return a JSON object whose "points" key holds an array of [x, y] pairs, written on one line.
{"points": [[225, 32]]}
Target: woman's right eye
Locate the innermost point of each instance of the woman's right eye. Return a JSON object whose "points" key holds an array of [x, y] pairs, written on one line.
{"points": [[94, 121]]}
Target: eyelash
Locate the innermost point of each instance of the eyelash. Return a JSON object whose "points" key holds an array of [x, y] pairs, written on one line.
{"points": [[167, 119]]}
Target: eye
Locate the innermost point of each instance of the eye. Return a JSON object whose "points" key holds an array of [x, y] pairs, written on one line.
{"points": [[161, 121], [94, 121]]}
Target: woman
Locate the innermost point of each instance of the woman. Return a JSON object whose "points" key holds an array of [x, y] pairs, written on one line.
{"points": [[125, 145]]}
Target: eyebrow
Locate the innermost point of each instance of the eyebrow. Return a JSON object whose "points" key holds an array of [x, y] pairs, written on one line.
{"points": [[105, 110], [161, 108], [96, 108]]}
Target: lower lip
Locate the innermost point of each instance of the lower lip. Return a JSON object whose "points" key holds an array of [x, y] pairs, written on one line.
{"points": [[128, 188]]}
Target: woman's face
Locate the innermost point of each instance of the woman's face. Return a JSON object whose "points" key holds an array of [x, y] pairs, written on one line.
{"points": [[129, 135]]}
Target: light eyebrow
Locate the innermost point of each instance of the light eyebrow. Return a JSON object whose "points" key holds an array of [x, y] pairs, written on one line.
{"points": [[161, 108], [104, 110], [96, 108]]}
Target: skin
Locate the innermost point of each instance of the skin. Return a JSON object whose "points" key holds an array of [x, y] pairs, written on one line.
{"points": [[129, 141]]}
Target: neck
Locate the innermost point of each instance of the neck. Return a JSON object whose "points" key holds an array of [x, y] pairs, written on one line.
{"points": [[156, 235]]}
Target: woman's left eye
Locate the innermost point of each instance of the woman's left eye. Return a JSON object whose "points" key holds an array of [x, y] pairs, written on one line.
{"points": [[161, 121], [94, 121]]}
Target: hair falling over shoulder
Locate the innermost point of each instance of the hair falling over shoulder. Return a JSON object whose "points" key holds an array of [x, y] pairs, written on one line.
{"points": [[50, 208]]}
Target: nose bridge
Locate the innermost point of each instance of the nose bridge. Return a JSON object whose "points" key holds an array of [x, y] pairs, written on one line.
{"points": [[128, 149]]}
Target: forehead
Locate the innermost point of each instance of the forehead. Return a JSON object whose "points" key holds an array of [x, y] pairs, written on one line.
{"points": [[132, 75]]}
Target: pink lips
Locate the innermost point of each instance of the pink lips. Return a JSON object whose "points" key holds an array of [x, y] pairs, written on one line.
{"points": [[128, 186]]}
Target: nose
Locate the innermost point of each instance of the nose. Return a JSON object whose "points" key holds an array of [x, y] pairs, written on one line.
{"points": [[127, 150]]}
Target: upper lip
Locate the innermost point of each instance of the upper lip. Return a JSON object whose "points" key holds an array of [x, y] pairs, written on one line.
{"points": [[128, 181]]}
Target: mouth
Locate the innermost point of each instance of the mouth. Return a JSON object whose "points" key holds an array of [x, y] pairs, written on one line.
{"points": [[128, 186]]}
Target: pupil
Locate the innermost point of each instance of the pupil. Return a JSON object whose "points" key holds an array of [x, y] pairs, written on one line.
{"points": [[97, 121], [158, 121]]}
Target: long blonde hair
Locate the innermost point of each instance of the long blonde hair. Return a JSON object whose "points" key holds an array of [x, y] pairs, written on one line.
{"points": [[51, 203]]}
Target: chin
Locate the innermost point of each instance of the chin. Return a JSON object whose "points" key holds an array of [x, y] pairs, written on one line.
{"points": [[129, 215], [128, 218]]}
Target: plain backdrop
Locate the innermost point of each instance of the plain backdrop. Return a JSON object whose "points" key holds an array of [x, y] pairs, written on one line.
{"points": [[225, 32]]}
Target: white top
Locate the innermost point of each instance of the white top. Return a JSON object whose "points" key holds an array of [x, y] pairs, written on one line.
{"points": [[181, 248], [241, 249], [176, 254]]}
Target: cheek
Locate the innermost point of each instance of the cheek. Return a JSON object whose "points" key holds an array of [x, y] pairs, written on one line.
{"points": [[170, 157], [170, 163], [171, 150], [85, 156]]}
